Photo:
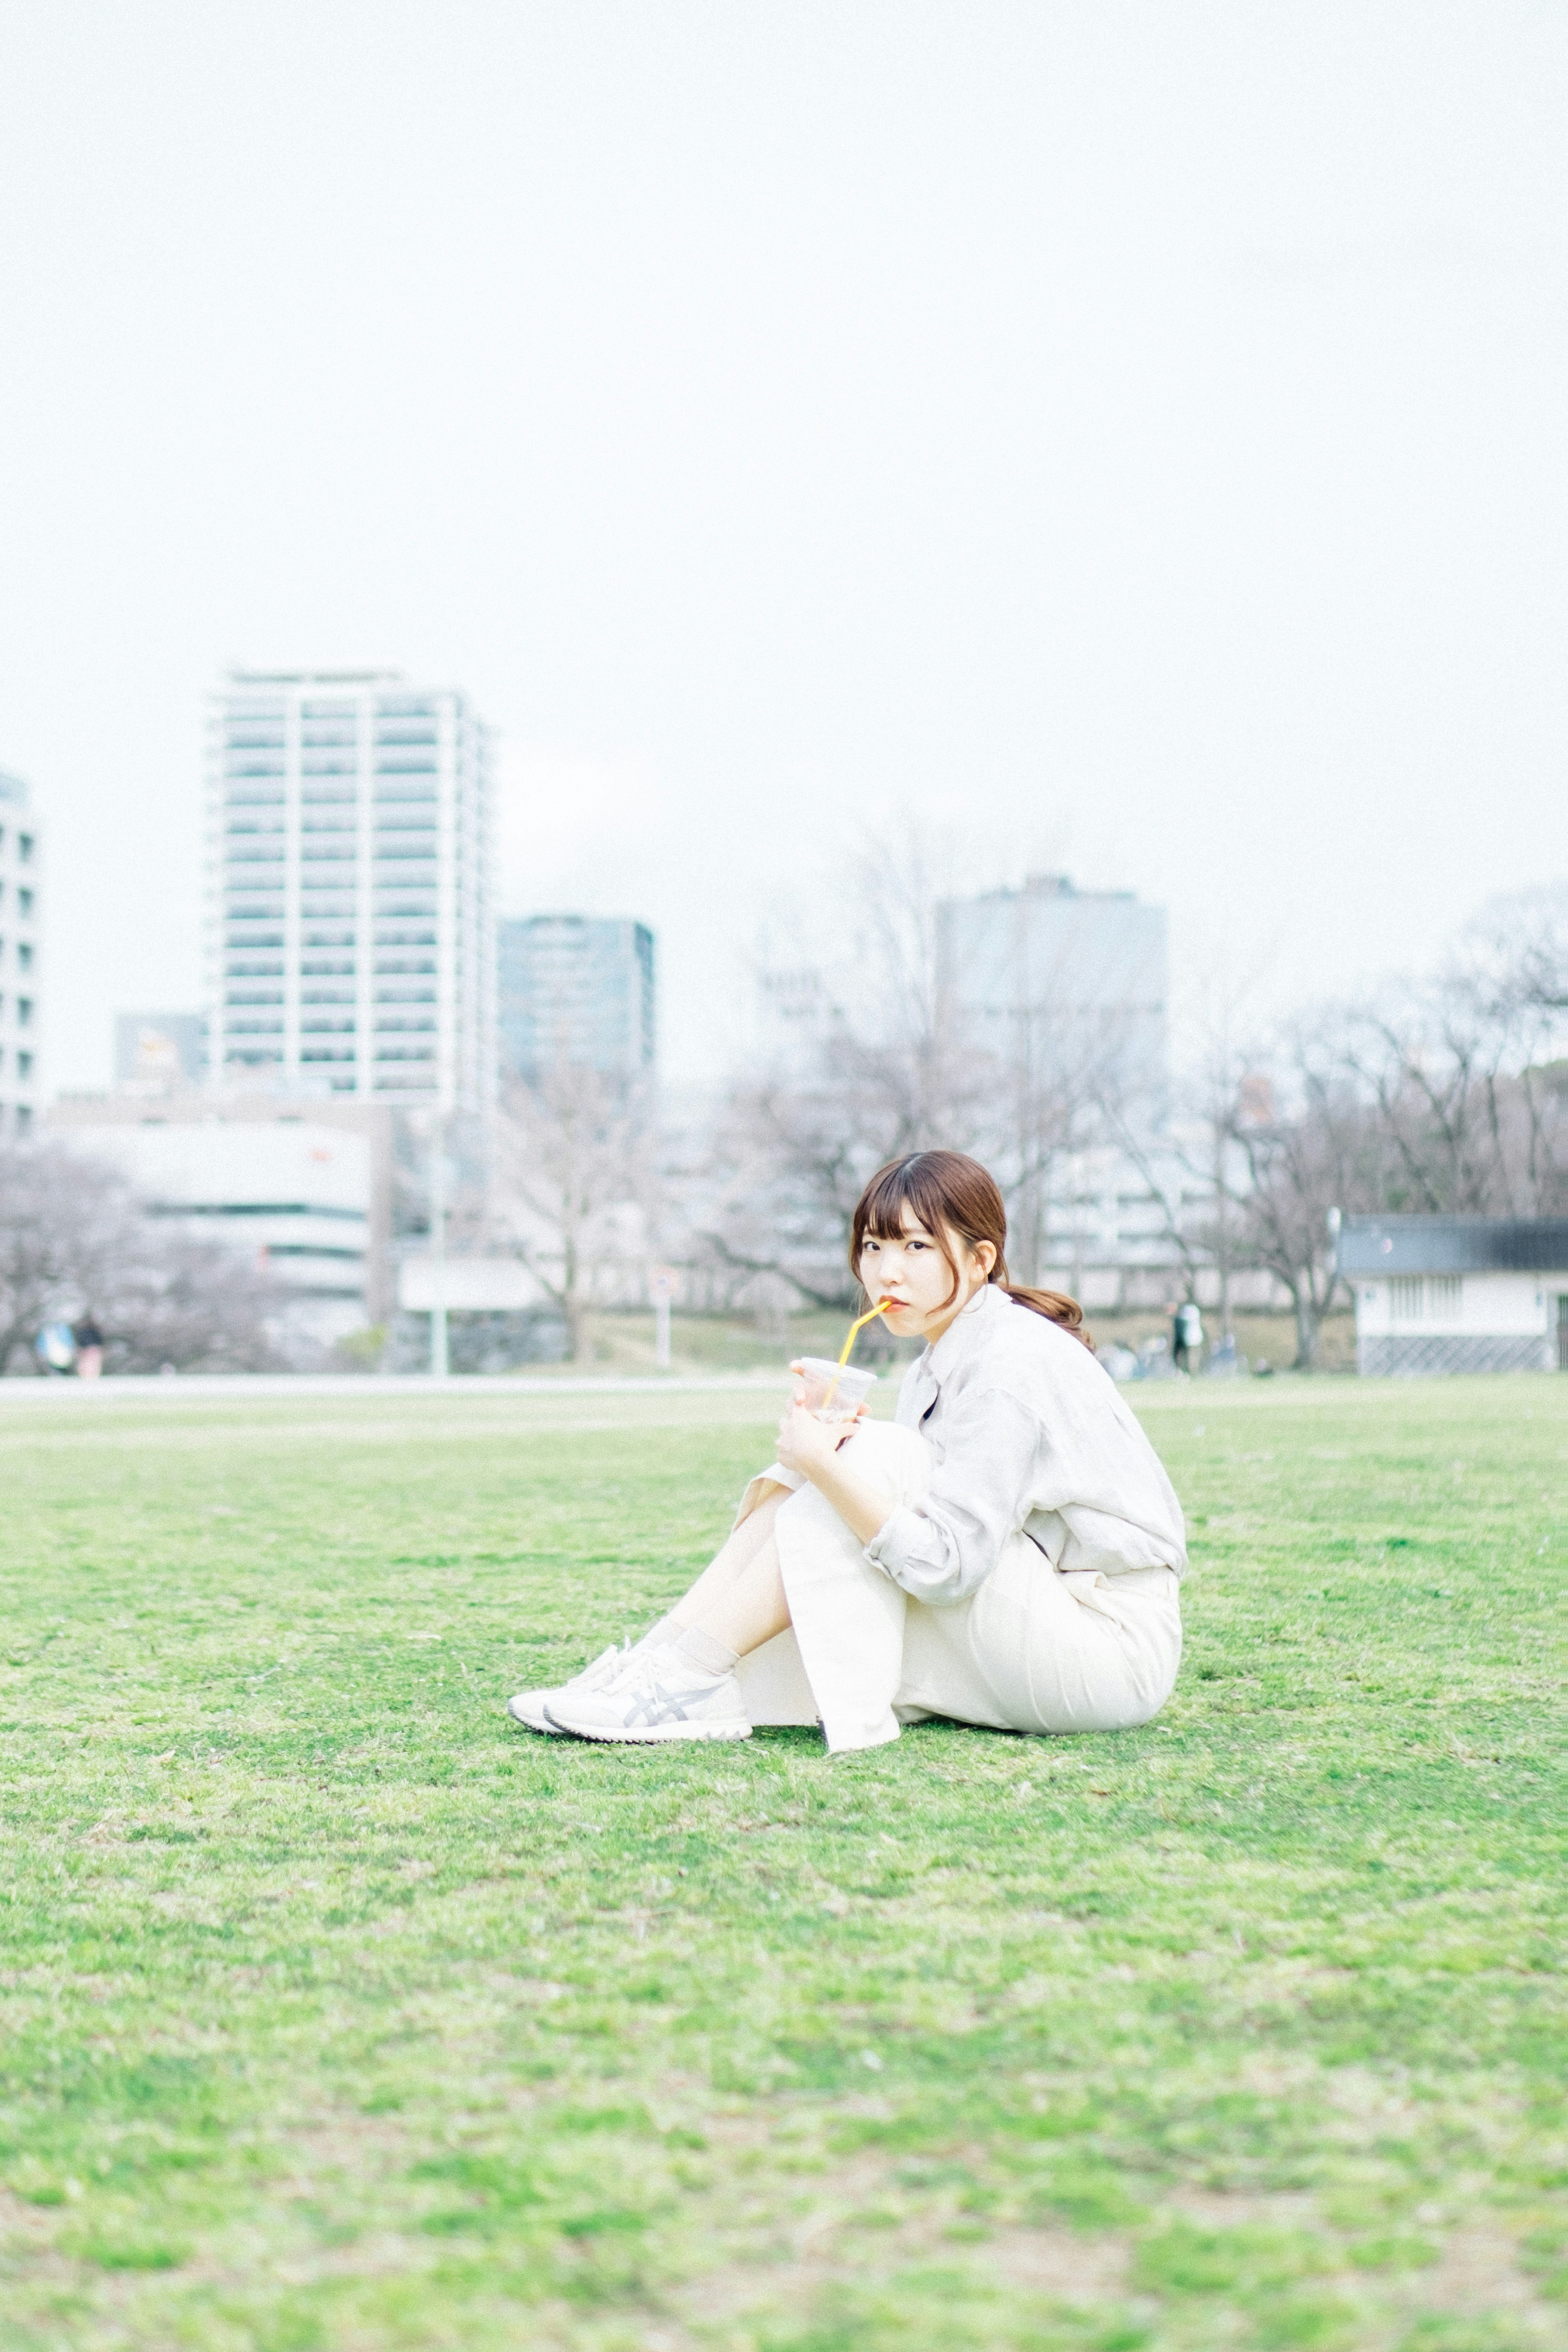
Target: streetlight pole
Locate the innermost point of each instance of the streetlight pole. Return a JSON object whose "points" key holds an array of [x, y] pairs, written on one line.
{"points": [[663, 1289], [439, 1364]]}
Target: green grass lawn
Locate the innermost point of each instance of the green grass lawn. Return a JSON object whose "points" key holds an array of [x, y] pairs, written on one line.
{"points": [[337, 2012]]}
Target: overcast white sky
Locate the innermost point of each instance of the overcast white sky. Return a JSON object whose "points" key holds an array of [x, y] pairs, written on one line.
{"points": [[1130, 435]]}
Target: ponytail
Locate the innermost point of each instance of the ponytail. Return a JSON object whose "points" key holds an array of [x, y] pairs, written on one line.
{"points": [[1054, 1305]]}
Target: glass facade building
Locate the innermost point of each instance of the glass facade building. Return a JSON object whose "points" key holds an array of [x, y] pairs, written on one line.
{"points": [[351, 938], [576, 992], [1050, 977], [19, 1022]]}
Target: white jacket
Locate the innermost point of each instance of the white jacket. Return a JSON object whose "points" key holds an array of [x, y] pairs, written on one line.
{"points": [[1029, 1433]]}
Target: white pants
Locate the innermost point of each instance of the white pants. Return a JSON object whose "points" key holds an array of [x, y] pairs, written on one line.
{"points": [[1031, 1650]]}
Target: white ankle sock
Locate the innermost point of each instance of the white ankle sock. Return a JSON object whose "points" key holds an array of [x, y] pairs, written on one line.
{"points": [[708, 1656], [667, 1630]]}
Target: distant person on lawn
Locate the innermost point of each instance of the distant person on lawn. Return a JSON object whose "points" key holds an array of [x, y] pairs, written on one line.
{"points": [[1186, 1336], [89, 1341], [1007, 1553]]}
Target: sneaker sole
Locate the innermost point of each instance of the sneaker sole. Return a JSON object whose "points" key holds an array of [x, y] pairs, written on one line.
{"points": [[655, 1735], [530, 1723]]}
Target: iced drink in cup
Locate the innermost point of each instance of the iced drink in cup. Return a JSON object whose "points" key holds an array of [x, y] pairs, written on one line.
{"points": [[848, 1387]]}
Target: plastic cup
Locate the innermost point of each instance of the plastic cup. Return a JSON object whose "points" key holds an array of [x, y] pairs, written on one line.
{"points": [[849, 1386]]}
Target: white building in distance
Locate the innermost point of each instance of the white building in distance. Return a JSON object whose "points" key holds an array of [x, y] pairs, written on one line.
{"points": [[351, 933], [302, 1188], [19, 1022]]}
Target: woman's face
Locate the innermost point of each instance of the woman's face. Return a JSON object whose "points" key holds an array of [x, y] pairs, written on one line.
{"points": [[912, 1272]]}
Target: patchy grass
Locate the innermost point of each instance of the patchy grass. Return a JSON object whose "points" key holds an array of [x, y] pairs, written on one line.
{"points": [[337, 2014]]}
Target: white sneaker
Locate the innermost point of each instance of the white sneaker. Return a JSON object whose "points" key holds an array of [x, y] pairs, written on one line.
{"points": [[528, 1706], [664, 1696]]}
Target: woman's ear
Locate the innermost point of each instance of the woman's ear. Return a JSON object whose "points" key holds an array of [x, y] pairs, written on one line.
{"points": [[985, 1257]]}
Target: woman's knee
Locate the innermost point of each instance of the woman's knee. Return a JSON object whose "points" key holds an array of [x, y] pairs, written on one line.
{"points": [[761, 1500]]}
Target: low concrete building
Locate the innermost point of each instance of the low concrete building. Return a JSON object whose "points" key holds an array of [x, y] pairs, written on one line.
{"points": [[303, 1185], [1457, 1293]]}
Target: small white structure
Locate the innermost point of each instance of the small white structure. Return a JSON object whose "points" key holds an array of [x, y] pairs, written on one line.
{"points": [[466, 1285], [1457, 1293]]}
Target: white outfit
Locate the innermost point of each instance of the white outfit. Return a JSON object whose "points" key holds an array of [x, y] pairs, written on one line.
{"points": [[1027, 1575]]}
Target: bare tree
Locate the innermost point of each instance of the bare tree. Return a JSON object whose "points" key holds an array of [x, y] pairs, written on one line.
{"points": [[900, 1062], [74, 1236], [1322, 1153], [889, 1068], [1514, 954], [1413, 1103], [63, 1223], [1471, 1114], [574, 1188], [201, 1305], [1436, 1097], [1510, 971]]}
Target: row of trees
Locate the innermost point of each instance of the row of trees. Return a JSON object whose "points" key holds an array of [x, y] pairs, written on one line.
{"points": [[1443, 1096], [1449, 1095], [74, 1238]]}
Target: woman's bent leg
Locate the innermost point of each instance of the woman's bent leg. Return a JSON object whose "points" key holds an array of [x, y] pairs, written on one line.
{"points": [[747, 1608], [793, 1578], [849, 1618], [726, 1579], [1033, 1651], [731, 1566]]}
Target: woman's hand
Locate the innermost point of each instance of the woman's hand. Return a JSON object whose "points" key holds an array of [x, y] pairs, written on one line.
{"points": [[806, 1444], [811, 1448]]}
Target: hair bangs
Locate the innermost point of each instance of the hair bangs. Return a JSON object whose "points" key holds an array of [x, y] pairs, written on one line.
{"points": [[897, 1188]]}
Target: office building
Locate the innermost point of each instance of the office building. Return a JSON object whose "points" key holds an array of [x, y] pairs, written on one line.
{"points": [[796, 1013], [19, 1024], [1056, 979], [351, 939], [576, 992]]}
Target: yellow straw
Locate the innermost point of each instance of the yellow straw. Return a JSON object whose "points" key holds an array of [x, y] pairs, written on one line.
{"points": [[880, 1309]]}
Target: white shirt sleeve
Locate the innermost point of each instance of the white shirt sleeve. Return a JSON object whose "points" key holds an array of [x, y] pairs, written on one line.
{"points": [[942, 1549]]}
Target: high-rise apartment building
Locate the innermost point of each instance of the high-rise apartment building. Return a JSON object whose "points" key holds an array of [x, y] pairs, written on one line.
{"points": [[350, 935], [576, 992], [1052, 978], [18, 958]]}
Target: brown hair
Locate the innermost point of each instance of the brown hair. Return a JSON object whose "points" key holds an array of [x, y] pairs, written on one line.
{"points": [[948, 1188]]}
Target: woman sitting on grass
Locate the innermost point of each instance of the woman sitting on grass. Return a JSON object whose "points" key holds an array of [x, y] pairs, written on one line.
{"points": [[1007, 1553]]}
